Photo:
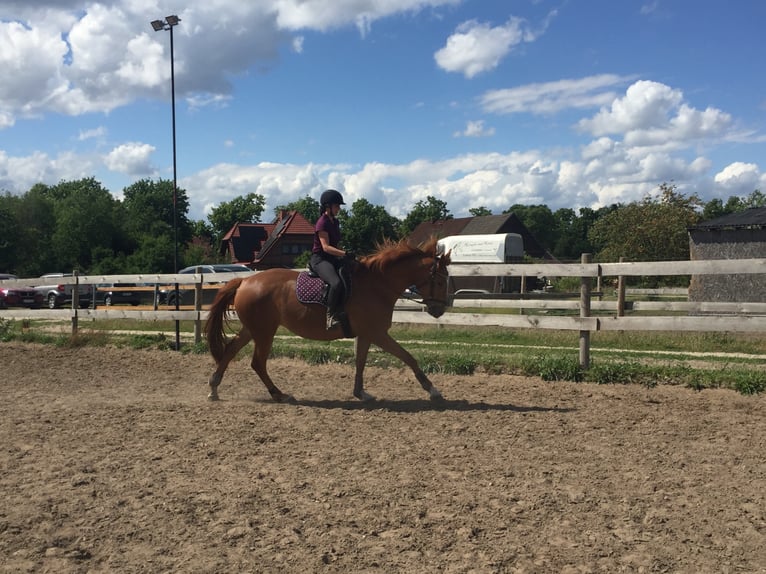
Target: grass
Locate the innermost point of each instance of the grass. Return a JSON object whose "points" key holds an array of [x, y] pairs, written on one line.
{"points": [[645, 358]]}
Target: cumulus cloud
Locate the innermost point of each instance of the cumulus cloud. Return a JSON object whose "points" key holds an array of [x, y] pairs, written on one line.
{"points": [[102, 56], [740, 178], [655, 115], [477, 47], [133, 159]]}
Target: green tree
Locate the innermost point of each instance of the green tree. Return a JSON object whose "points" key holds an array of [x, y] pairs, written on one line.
{"points": [[84, 212], [10, 251], [242, 209], [307, 206], [149, 215], [540, 221], [572, 231], [36, 221], [430, 209], [479, 211], [654, 229], [366, 226]]}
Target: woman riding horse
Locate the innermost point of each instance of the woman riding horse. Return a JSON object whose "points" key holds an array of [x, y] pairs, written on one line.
{"points": [[266, 300]]}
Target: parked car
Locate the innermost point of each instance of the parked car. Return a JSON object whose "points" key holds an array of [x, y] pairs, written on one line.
{"points": [[185, 293], [58, 294], [19, 296], [122, 294]]}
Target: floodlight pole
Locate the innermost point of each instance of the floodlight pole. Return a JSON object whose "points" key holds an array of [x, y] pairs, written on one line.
{"points": [[161, 25]]}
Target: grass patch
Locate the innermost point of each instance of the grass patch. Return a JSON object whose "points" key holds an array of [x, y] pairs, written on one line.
{"points": [[617, 357]]}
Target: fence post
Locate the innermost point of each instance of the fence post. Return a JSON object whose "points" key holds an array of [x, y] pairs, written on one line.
{"points": [[522, 290], [198, 306], [621, 293], [75, 300], [585, 312]]}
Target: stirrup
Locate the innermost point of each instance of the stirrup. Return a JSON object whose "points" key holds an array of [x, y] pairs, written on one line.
{"points": [[333, 320]]}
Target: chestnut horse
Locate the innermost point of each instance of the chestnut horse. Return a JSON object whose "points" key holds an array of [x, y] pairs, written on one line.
{"points": [[266, 300]]}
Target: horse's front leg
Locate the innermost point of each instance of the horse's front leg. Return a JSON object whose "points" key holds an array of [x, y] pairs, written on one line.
{"points": [[389, 345], [361, 347]]}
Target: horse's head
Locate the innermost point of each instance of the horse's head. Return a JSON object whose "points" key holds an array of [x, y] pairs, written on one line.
{"points": [[433, 288]]}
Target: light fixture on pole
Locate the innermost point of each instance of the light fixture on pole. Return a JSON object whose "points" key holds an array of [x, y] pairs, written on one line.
{"points": [[161, 25]]}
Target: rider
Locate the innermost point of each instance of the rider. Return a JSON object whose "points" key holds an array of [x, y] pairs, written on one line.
{"points": [[327, 256]]}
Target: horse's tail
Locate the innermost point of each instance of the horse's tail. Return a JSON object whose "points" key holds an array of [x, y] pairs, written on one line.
{"points": [[216, 318]]}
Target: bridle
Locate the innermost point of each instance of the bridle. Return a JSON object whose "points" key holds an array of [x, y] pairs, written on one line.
{"points": [[433, 274]]}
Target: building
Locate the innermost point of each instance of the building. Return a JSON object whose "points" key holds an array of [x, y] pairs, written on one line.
{"points": [[740, 235], [267, 245]]}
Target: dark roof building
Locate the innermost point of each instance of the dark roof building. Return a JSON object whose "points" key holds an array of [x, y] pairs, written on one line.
{"points": [[485, 224], [266, 245], [740, 235]]}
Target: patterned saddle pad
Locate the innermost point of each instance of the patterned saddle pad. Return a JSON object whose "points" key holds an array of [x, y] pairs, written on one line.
{"points": [[310, 289]]}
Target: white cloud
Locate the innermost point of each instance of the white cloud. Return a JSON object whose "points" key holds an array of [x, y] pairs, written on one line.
{"points": [[740, 178], [133, 159], [326, 14], [477, 47], [553, 97], [95, 133], [653, 115], [475, 129]]}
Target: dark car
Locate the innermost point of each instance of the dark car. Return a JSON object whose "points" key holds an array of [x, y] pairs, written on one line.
{"points": [[122, 294], [21, 297], [185, 293]]}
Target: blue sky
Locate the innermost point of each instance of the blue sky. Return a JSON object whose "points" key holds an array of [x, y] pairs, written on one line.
{"points": [[477, 103]]}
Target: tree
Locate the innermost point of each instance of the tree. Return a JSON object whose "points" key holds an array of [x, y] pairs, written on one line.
{"points": [[307, 206], [9, 233], [149, 212], [36, 221], [366, 226], [539, 220], [242, 209], [572, 231], [479, 211], [431, 209], [84, 212], [654, 229]]}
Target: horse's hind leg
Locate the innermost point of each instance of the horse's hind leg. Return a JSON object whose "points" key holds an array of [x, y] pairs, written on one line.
{"points": [[232, 348]]}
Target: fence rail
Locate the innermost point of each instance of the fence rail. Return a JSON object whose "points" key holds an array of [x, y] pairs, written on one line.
{"points": [[539, 311]]}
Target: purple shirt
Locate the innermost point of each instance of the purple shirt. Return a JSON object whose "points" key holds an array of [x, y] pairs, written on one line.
{"points": [[332, 227]]}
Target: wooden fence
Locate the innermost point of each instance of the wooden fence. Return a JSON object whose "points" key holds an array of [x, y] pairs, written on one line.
{"points": [[586, 313]]}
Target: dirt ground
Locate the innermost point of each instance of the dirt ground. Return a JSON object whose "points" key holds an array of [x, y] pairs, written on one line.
{"points": [[114, 461]]}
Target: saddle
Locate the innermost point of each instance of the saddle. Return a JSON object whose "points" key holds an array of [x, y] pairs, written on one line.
{"points": [[310, 289]]}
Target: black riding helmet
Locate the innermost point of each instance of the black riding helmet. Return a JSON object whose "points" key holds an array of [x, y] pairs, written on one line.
{"points": [[331, 197]]}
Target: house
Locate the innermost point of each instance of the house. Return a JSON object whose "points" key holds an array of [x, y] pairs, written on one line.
{"points": [[740, 235], [482, 225], [267, 245]]}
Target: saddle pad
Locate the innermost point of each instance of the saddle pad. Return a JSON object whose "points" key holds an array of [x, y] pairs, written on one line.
{"points": [[309, 289]]}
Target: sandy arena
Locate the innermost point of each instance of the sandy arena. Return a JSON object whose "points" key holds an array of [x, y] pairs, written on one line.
{"points": [[114, 461]]}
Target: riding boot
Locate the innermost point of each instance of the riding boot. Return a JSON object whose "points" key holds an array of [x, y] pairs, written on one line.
{"points": [[333, 319]]}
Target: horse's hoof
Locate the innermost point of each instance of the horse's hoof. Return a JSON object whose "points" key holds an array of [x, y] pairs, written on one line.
{"points": [[212, 397], [282, 398], [436, 396], [365, 397]]}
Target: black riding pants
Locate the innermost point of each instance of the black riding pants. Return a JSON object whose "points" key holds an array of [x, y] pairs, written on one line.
{"points": [[327, 268]]}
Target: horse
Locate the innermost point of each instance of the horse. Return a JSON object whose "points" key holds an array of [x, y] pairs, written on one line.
{"points": [[267, 300]]}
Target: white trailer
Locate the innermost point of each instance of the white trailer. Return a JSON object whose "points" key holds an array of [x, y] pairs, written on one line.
{"points": [[486, 248]]}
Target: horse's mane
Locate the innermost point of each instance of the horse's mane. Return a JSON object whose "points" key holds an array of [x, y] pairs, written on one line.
{"points": [[390, 251]]}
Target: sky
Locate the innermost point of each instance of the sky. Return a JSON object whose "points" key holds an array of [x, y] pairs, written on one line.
{"points": [[478, 103]]}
